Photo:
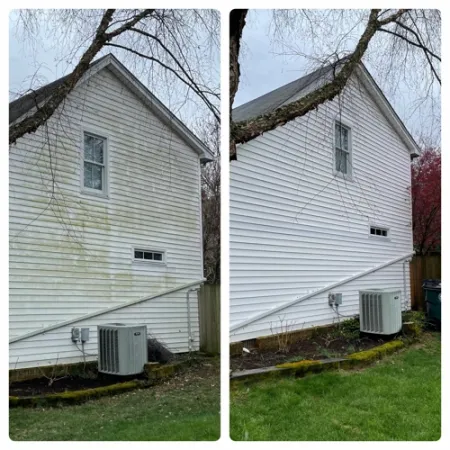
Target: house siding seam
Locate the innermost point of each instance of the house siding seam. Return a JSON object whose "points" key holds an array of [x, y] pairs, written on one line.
{"points": [[296, 228], [75, 256]]}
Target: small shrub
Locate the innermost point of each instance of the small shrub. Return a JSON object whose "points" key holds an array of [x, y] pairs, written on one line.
{"points": [[347, 329], [417, 322], [284, 336]]}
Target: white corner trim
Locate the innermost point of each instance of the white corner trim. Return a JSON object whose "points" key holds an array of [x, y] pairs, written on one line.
{"points": [[317, 292]]}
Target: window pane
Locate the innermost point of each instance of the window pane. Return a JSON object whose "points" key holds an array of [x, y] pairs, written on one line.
{"points": [[93, 176], [148, 255], [93, 148], [345, 138], [341, 161], [341, 137], [98, 151], [88, 147], [97, 177], [87, 175], [138, 254], [384, 232], [372, 231], [157, 256]]}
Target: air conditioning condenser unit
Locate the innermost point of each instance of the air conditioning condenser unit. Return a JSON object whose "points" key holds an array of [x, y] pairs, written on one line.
{"points": [[122, 348], [380, 311]]}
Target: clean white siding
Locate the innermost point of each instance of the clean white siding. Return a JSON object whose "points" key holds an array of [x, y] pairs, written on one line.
{"points": [[296, 228], [73, 255]]}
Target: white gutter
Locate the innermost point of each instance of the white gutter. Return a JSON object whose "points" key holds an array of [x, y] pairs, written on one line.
{"points": [[317, 292], [103, 311]]}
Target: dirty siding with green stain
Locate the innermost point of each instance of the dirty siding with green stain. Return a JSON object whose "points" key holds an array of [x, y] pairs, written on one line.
{"points": [[71, 253]]}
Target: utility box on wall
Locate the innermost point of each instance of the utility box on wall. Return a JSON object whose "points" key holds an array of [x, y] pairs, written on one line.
{"points": [[122, 349]]}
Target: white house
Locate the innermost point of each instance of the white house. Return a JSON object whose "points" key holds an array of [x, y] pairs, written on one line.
{"points": [[105, 219], [319, 205]]}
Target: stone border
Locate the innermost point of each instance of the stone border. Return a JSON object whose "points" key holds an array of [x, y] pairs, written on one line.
{"points": [[305, 367], [155, 373]]}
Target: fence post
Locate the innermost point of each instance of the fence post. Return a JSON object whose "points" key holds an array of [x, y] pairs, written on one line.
{"points": [[209, 318]]}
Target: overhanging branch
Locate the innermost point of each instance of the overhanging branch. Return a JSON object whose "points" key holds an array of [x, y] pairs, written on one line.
{"points": [[43, 113], [247, 130]]}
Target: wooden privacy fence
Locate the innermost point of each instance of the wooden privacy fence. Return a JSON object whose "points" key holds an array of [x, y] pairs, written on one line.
{"points": [[422, 268], [209, 317]]}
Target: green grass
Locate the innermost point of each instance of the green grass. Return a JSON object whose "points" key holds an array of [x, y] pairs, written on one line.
{"points": [[397, 399], [184, 408]]}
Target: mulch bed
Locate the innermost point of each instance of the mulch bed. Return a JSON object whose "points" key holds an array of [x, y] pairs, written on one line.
{"points": [[92, 379], [319, 347], [44, 386]]}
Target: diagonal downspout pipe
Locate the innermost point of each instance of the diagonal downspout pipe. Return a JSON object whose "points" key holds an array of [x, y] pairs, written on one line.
{"points": [[302, 298], [104, 311]]}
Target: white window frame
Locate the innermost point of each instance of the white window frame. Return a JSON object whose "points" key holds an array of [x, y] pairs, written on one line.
{"points": [[104, 193], [378, 236], [338, 173], [144, 248]]}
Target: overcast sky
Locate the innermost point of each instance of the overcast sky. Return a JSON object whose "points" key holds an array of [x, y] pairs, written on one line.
{"points": [[32, 66], [263, 69]]}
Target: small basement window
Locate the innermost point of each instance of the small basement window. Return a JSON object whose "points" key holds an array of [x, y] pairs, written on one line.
{"points": [[377, 231], [148, 255]]}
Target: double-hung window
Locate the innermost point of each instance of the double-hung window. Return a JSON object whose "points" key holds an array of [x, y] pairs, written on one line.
{"points": [[342, 149], [94, 163]]}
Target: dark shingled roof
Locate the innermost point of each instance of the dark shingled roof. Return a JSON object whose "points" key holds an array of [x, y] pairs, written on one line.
{"points": [[23, 104], [272, 100]]}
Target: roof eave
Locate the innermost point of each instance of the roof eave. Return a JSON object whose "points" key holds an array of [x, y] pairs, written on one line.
{"points": [[388, 110], [158, 107], [149, 99]]}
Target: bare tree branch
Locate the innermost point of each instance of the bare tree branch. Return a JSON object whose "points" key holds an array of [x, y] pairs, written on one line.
{"points": [[245, 131], [237, 24], [43, 113]]}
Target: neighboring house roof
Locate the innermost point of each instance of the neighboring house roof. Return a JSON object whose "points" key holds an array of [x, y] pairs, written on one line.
{"points": [[26, 103], [299, 88]]}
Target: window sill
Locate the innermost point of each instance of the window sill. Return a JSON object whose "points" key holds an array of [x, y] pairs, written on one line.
{"points": [[93, 194], [342, 176]]}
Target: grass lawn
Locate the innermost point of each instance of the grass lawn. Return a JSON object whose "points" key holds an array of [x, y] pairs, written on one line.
{"points": [[399, 398], [186, 407]]}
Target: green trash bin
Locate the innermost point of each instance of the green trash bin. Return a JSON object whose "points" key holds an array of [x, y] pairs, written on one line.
{"points": [[432, 290]]}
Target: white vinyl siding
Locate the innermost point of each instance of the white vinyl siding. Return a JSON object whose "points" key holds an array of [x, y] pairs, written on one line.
{"points": [[72, 255], [295, 227]]}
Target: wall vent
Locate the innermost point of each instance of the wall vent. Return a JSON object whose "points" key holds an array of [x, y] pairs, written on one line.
{"points": [[122, 349], [380, 311]]}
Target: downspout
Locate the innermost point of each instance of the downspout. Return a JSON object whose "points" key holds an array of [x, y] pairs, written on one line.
{"points": [[188, 304], [405, 297], [104, 311]]}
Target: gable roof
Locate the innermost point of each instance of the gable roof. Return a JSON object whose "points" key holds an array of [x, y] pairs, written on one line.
{"points": [[24, 104], [297, 89]]}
